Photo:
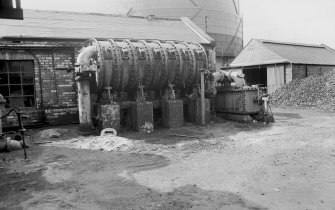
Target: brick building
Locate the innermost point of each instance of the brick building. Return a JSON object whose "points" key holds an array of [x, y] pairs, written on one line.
{"points": [[273, 64], [32, 49]]}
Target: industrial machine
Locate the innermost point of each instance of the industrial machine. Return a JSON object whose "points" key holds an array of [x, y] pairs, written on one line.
{"points": [[134, 83], [234, 100], [126, 66], [130, 80]]}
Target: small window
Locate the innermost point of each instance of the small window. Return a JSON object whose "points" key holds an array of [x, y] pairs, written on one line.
{"points": [[17, 83]]}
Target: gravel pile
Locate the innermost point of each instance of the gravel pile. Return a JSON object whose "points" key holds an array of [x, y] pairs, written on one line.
{"points": [[316, 92]]}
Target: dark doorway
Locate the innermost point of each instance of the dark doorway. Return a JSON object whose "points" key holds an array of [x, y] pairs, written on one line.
{"points": [[256, 76]]}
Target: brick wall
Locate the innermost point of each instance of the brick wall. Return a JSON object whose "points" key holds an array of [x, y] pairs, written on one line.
{"points": [[299, 71], [34, 118], [303, 71], [55, 91], [319, 70]]}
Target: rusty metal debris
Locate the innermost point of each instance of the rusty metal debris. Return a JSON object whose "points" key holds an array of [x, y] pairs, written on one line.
{"points": [[21, 141]]}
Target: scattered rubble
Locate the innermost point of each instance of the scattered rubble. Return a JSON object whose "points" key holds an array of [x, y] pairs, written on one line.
{"points": [[147, 128], [53, 133], [316, 92], [108, 143]]}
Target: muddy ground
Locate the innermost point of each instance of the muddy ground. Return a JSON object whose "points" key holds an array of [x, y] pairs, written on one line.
{"points": [[226, 165]]}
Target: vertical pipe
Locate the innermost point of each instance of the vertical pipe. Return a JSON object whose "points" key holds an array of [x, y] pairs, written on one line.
{"points": [[41, 105], [84, 105], [242, 33], [55, 76], [203, 121], [21, 130], [2, 107]]}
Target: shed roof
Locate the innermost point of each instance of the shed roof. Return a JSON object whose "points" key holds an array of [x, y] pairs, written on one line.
{"points": [[264, 52], [41, 24]]}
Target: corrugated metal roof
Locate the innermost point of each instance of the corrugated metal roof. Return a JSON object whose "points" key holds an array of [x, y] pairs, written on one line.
{"points": [[302, 53], [264, 52], [73, 25]]}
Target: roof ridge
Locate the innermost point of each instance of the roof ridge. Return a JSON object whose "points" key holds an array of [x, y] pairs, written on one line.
{"points": [[197, 30], [328, 48], [98, 14], [290, 43]]}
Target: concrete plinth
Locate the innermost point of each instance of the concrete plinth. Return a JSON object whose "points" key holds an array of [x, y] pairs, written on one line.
{"points": [[172, 113], [109, 116], [141, 112], [194, 111]]}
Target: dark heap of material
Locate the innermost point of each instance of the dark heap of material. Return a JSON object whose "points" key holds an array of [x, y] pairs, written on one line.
{"points": [[316, 92]]}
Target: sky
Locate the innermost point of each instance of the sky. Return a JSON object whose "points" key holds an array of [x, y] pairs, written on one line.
{"points": [[300, 21]]}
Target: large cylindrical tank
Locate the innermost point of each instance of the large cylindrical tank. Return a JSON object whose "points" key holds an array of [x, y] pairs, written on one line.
{"points": [[219, 18], [125, 65]]}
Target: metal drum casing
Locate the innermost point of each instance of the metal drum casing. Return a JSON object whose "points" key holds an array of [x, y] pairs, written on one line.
{"points": [[125, 65]]}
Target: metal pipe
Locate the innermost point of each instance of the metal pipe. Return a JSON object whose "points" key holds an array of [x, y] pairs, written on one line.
{"points": [[84, 105], [41, 105], [55, 76], [85, 55], [202, 93]]}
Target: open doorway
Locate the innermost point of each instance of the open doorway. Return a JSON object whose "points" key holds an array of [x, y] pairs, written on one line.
{"points": [[256, 76]]}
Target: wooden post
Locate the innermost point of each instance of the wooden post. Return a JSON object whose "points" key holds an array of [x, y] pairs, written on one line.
{"points": [[202, 93]]}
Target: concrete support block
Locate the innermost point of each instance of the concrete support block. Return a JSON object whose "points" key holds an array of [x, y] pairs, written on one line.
{"points": [[194, 111], [172, 113], [109, 116], [141, 113]]}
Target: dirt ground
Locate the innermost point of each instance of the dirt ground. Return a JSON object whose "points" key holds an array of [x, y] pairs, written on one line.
{"points": [[287, 165]]}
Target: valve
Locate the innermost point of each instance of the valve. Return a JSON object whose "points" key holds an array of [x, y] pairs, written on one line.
{"points": [[140, 93]]}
